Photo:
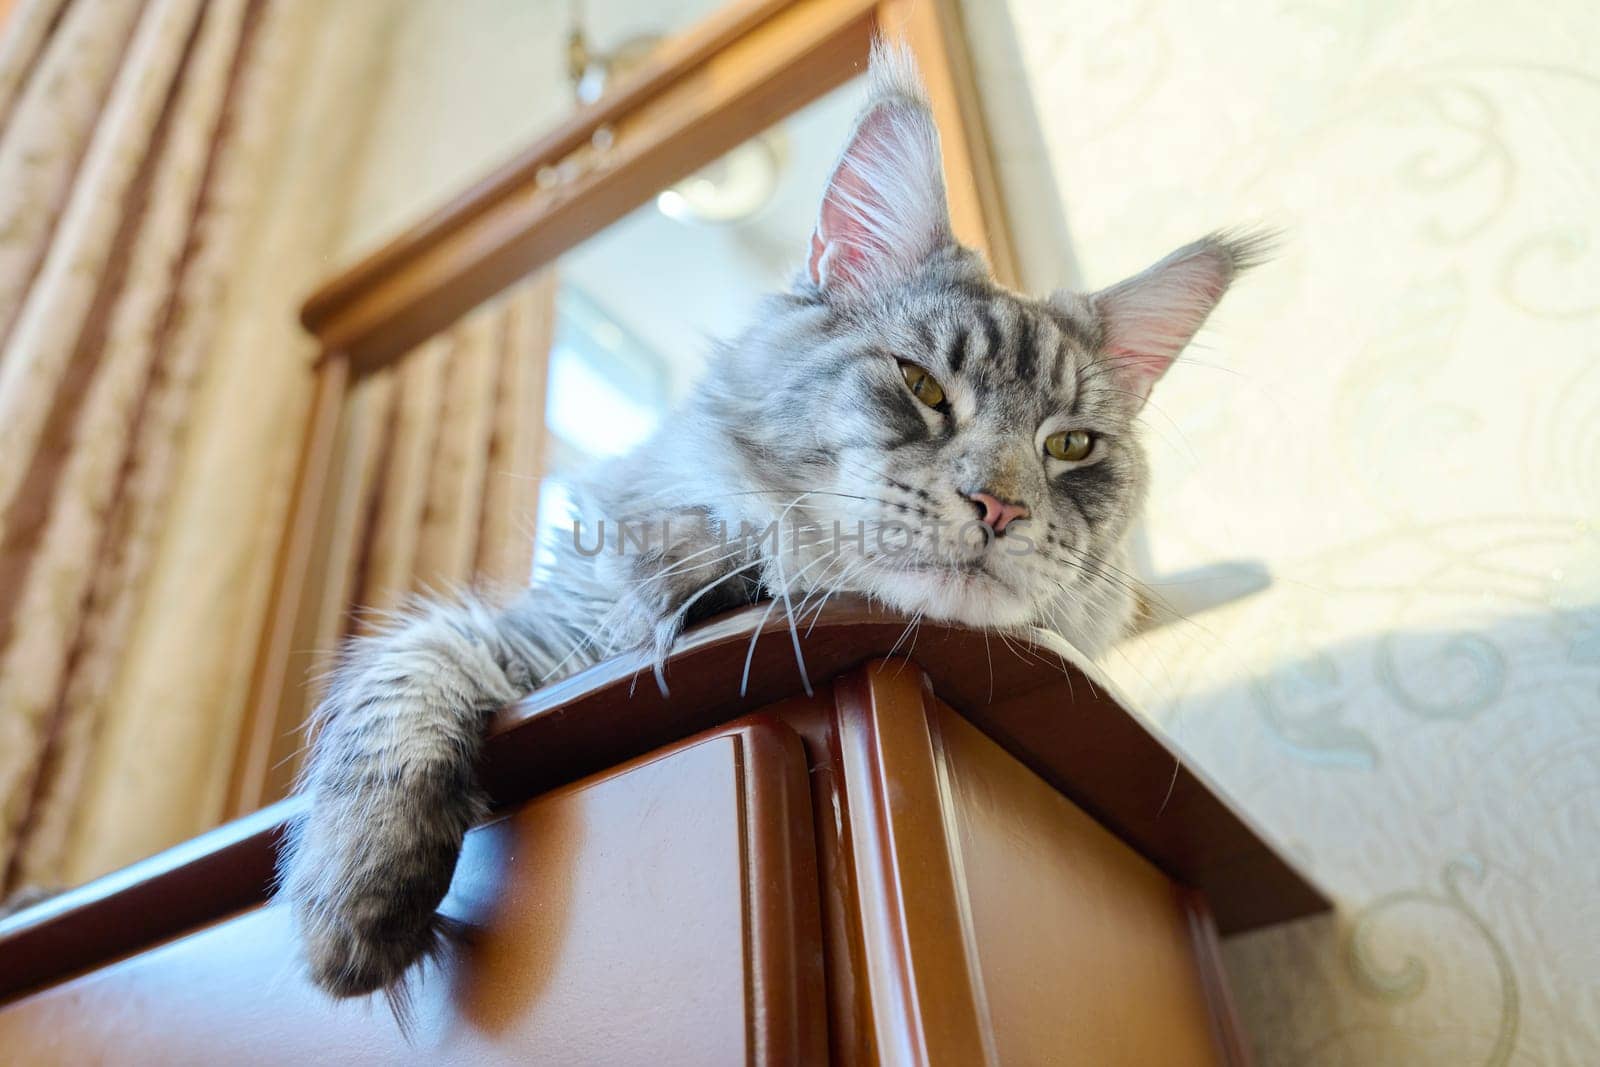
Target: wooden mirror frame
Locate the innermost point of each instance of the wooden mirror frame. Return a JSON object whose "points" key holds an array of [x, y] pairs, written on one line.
{"points": [[744, 68]]}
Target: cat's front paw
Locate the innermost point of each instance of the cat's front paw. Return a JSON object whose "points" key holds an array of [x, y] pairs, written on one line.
{"points": [[347, 962], [365, 875], [391, 791]]}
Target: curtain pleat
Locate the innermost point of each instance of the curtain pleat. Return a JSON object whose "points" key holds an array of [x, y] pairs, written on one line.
{"points": [[449, 537], [60, 332], [106, 357], [54, 115], [434, 482], [154, 351], [456, 469], [477, 517], [391, 556], [24, 33], [165, 213], [511, 490], [350, 501], [183, 677]]}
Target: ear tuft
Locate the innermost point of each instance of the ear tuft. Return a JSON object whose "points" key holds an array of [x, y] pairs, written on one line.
{"points": [[1246, 247], [884, 210], [892, 74], [1147, 320]]}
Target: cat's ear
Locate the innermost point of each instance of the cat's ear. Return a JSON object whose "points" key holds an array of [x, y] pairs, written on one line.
{"points": [[883, 213], [1148, 319]]}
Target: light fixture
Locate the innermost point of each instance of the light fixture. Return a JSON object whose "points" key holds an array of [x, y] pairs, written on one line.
{"points": [[728, 190]]}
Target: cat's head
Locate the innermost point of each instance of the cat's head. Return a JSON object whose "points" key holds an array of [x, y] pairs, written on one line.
{"points": [[982, 440]]}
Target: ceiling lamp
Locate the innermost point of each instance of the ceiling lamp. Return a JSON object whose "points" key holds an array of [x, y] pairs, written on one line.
{"points": [[728, 190]]}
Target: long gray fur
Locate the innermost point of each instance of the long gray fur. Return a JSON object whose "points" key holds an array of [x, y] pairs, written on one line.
{"points": [[806, 416]]}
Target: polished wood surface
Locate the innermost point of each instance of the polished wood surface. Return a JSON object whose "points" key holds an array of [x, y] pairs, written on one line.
{"points": [[999, 923], [1082, 949], [851, 1037], [662, 913], [919, 969], [1227, 1030], [197, 882], [863, 876], [1039, 700], [1056, 715]]}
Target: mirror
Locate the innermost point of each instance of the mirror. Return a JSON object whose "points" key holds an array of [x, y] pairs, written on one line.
{"points": [[639, 305], [451, 463]]}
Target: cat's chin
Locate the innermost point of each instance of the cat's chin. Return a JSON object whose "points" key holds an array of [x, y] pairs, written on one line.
{"points": [[972, 598]]}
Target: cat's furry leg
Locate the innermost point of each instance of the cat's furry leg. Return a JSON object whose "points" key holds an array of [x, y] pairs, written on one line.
{"points": [[391, 779], [391, 773]]}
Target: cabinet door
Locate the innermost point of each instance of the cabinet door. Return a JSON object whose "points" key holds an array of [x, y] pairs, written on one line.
{"points": [[999, 922], [662, 913]]}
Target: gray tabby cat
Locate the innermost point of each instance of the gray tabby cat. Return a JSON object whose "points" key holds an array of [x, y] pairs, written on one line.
{"points": [[953, 450]]}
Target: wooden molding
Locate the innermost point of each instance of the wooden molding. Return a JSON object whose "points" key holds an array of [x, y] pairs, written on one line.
{"points": [[744, 70], [272, 712], [1232, 1047], [737, 73], [1037, 700], [672, 62], [911, 906]]}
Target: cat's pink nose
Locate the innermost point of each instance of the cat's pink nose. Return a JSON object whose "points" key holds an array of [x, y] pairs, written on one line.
{"points": [[995, 513]]}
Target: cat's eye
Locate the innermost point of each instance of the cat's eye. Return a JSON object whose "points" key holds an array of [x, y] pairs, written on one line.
{"points": [[922, 385], [1070, 445]]}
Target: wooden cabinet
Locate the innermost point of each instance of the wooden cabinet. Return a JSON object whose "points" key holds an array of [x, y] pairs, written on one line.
{"points": [[1002, 924], [662, 912], [861, 875]]}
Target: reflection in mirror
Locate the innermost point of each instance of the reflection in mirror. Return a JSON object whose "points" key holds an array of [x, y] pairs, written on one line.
{"points": [[446, 477], [444, 473], [462, 87], [640, 305]]}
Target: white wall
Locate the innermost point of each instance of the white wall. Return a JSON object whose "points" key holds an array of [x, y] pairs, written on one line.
{"points": [[1401, 417]]}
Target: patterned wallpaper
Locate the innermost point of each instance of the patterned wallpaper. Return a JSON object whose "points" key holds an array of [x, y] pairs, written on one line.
{"points": [[1400, 419]]}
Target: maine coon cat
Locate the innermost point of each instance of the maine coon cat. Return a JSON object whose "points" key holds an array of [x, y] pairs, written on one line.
{"points": [[922, 436]]}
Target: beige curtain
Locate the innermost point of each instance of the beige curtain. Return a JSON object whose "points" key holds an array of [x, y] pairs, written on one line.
{"points": [[455, 492], [164, 210], [435, 482]]}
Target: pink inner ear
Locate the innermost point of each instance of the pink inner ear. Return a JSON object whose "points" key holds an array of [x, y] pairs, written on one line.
{"points": [[1147, 320], [1151, 318], [883, 210], [843, 240], [1138, 370], [836, 260]]}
